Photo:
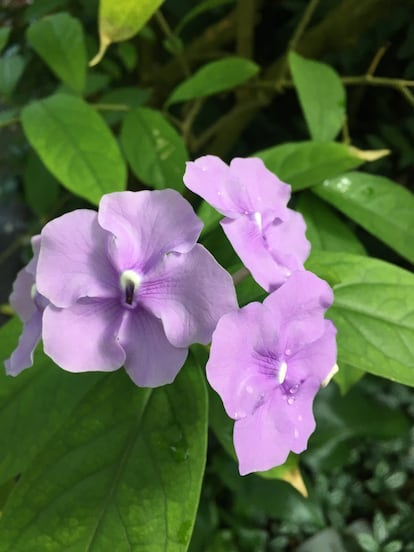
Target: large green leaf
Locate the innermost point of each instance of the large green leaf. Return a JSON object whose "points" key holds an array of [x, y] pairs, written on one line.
{"points": [[11, 69], [321, 95], [33, 405], [121, 20], [154, 149], [123, 474], [304, 164], [214, 77], [59, 41], [76, 145], [324, 229], [379, 205], [373, 311]]}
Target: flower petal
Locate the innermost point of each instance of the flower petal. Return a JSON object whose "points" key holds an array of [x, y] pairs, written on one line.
{"points": [[264, 439], [236, 368], [22, 356], [189, 293], [73, 260], [301, 303], [244, 187], [21, 298], [83, 337], [249, 244], [146, 225], [151, 360], [317, 358]]}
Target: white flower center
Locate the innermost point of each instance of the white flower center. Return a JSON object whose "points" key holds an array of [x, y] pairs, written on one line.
{"points": [[130, 282], [281, 375]]}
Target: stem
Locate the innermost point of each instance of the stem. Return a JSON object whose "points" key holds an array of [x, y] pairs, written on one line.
{"points": [[348, 81], [111, 107], [408, 95], [189, 119], [245, 13], [303, 23], [169, 33]]}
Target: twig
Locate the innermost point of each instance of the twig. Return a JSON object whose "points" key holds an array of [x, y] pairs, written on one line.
{"points": [[169, 33], [407, 95], [245, 13], [303, 23], [186, 125]]}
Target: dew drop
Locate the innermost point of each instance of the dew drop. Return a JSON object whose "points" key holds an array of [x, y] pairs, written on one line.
{"points": [[288, 352], [296, 433], [291, 400], [293, 389]]}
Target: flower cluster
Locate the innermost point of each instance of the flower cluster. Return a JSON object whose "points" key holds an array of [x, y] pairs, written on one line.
{"points": [[129, 286], [267, 361]]}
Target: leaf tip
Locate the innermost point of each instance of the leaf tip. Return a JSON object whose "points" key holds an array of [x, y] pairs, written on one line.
{"points": [[370, 155], [105, 41]]}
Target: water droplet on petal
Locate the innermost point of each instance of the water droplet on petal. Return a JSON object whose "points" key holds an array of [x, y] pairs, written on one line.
{"points": [[296, 433], [291, 400], [293, 389], [288, 352]]}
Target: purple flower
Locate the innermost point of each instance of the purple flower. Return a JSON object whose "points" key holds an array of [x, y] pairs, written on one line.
{"points": [[129, 286], [29, 306], [267, 362], [267, 236]]}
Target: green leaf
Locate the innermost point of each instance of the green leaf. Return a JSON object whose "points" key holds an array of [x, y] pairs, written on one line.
{"points": [[321, 95], [11, 69], [373, 311], [379, 205], [121, 20], [128, 96], [214, 77], [325, 230], [304, 164], [209, 216], [75, 145], [340, 419], [33, 405], [123, 474], [41, 189], [198, 9], [4, 37], [59, 41], [154, 149], [346, 377]]}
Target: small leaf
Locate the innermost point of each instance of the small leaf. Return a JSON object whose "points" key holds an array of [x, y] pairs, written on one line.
{"points": [[304, 164], [373, 311], [382, 207], [59, 41], [198, 9], [121, 20], [341, 420], [76, 146], [321, 95], [11, 69], [324, 229], [4, 37], [128, 96], [214, 77], [154, 149], [124, 472]]}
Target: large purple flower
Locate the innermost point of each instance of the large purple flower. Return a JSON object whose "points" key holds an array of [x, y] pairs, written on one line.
{"points": [[129, 286], [29, 306], [267, 362], [268, 236]]}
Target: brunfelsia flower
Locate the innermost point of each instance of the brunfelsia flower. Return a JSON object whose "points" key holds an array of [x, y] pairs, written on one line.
{"points": [[267, 374], [29, 305], [129, 286], [268, 237]]}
